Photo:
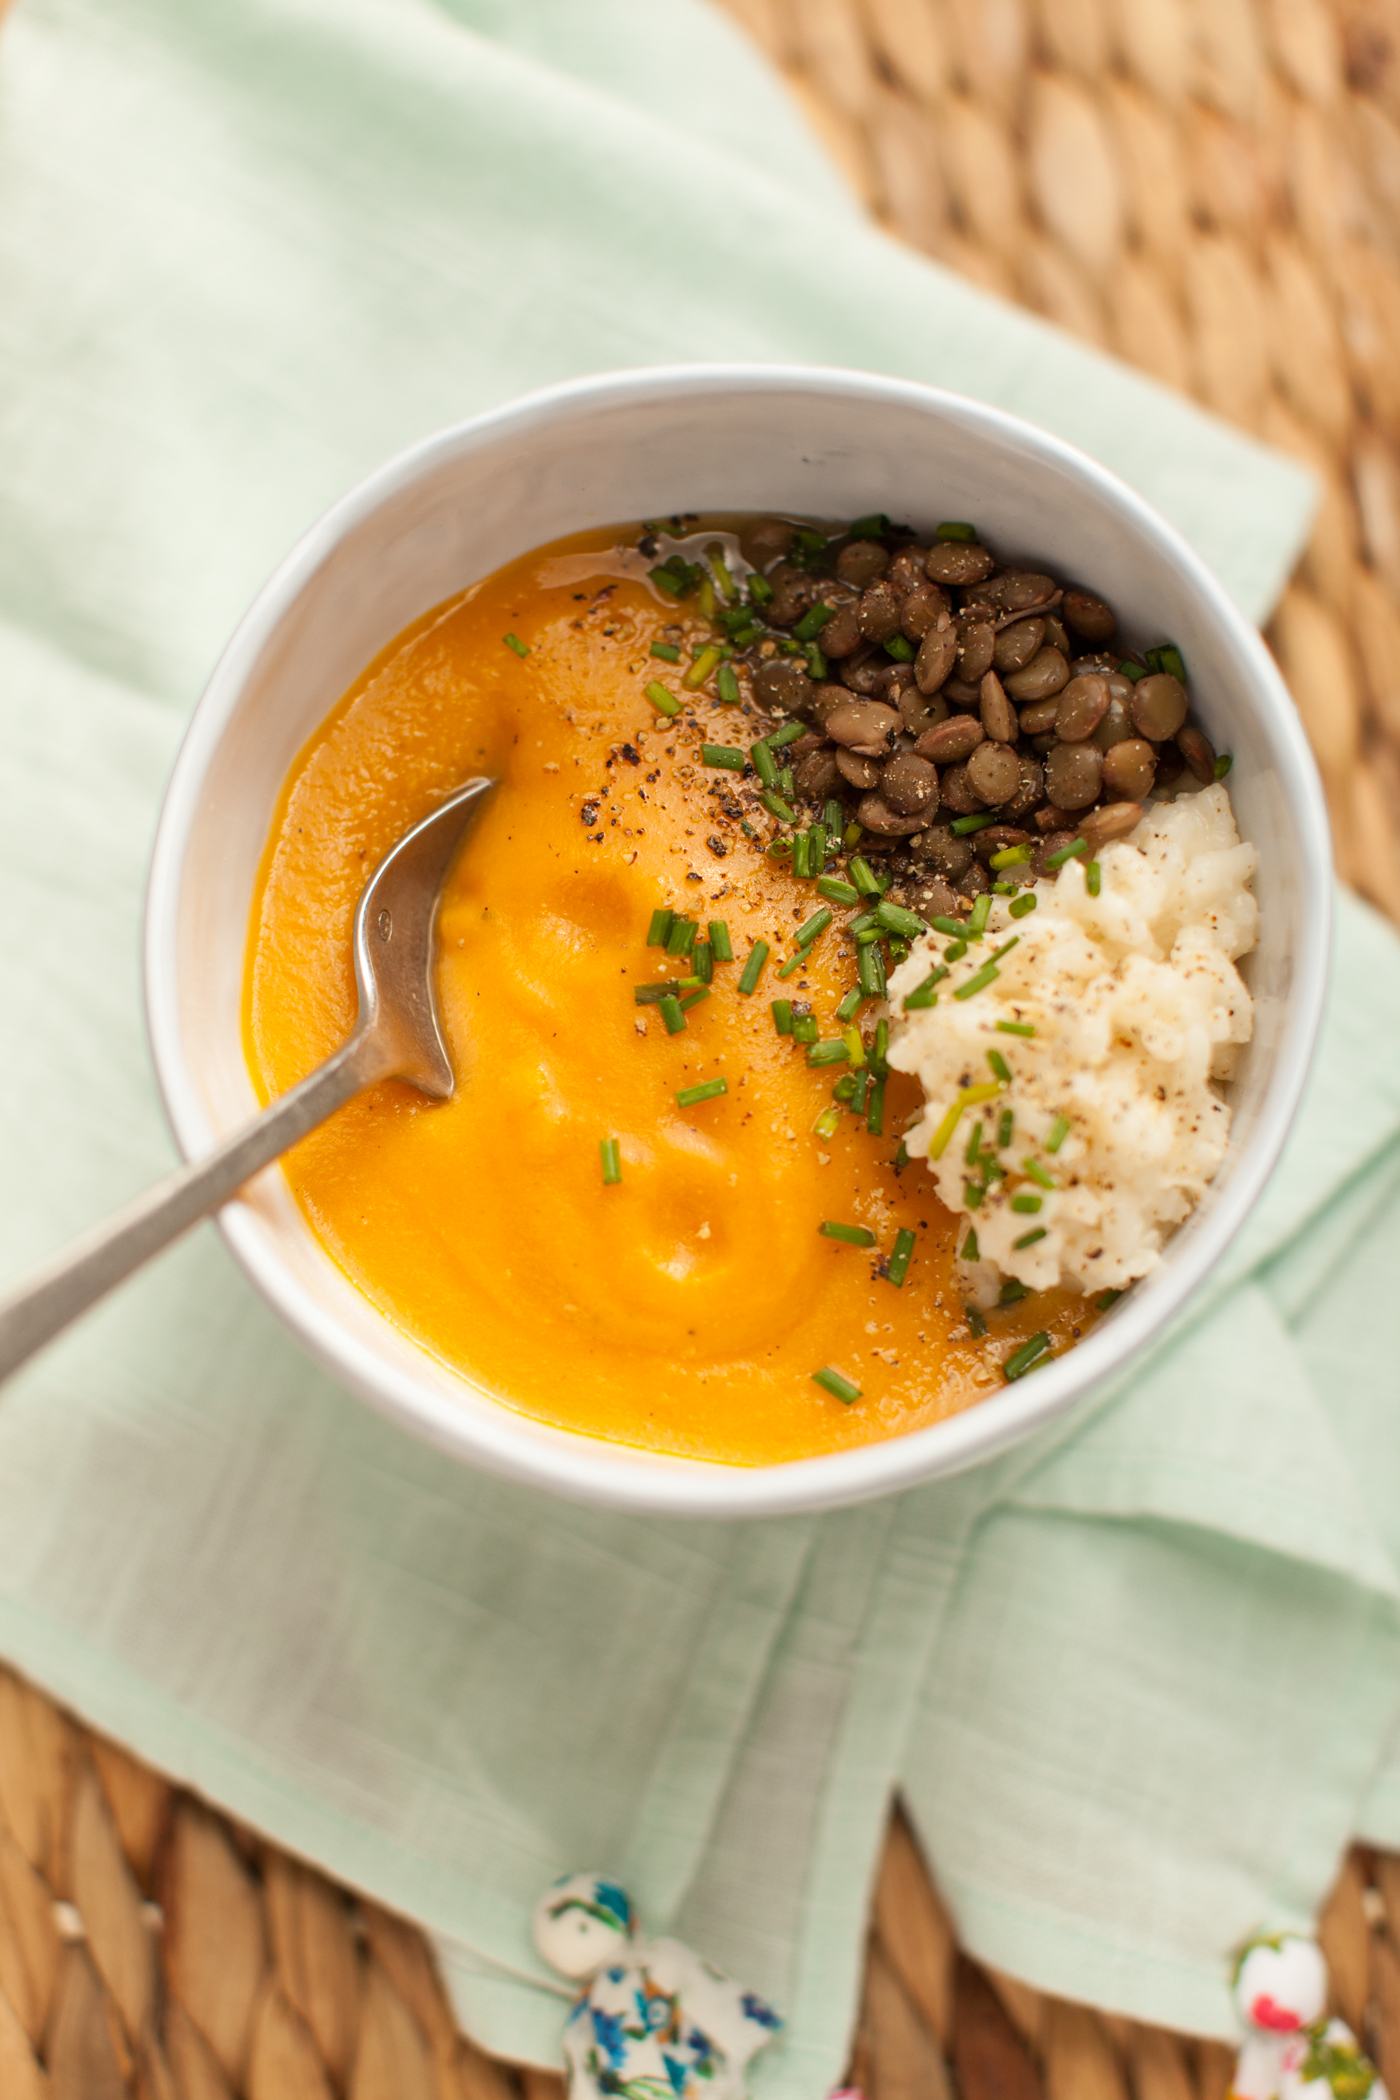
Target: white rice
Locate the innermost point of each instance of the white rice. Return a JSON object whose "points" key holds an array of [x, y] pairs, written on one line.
{"points": [[1138, 1012]]}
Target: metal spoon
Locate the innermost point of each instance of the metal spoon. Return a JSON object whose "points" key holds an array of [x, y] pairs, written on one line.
{"points": [[397, 1035]]}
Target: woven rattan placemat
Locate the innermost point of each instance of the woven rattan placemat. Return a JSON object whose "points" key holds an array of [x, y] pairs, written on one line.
{"points": [[1212, 189]]}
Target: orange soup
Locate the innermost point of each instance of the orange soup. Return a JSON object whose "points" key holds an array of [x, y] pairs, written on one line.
{"points": [[685, 1305]]}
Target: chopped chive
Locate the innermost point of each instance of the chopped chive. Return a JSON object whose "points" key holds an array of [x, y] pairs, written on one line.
{"points": [[659, 931], [1061, 854], [724, 756], [1059, 1131], [973, 1192], [693, 998], [901, 1156], [950, 926], [955, 529], [897, 1267], [852, 1003], [703, 957], [1026, 1206], [860, 1089], [977, 918], [1223, 764], [652, 994], [832, 1052], [729, 590], [865, 878], [970, 1249], [1011, 856], [1012, 1291], [879, 1049], [851, 835], [709, 608], [855, 1047], [816, 663], [1169, 658], [963, 827], [852, 1235], [727, 685], [923, 995], [839, 892], [866, 923], [1028, 1239], [700, 670], [708, 1090], [753, 968], [1129, 669], [901, 649], [667, 651], [801, 856], [1027, 1356], [612, 1161], [987, 1090], [1038, 1173], [974, 1145], [818, 923], [813, 621], [780, 809], [664, 702], [764, 763], [938, 1143], [832, 1381], [719, 941], [513, 641], [796, 961], [833, 816], [788, 734], [681, 938], [1000, 1067], [870, 969], [669, 1009], [804, 1028], [1005, 1127], [875, 1110], [976, 1325], [1016, 1027], [955, 951], [827, 1123], [781, 1010], [1105, 1299], [1019, 906], [816, 849], [1005, 948], [899, 920], [760, 589], [978, 982], [872, 528], [844, 1089], [1093, 877]]}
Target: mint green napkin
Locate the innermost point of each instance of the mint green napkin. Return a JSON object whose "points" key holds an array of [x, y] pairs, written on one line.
{"points": [[1137, 1678]]}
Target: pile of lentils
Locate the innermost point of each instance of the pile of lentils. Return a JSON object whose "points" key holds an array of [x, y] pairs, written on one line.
{"points": [[955, 706]]}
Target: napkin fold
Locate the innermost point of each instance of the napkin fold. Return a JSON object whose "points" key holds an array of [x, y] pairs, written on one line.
{"points": [[1136, 1678]]}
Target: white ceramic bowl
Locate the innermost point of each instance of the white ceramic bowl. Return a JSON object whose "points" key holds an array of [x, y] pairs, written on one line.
{"points": [[641, 444]]}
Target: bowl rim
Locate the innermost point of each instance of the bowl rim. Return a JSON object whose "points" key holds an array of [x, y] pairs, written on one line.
{"points": [[593, 1470]]}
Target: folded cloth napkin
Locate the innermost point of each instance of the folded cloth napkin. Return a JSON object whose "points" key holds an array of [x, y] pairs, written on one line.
{"points": [[1137, 1678]]}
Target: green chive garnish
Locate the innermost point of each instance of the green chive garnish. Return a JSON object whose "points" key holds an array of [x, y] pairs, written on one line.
{"points": [[1028, 1239], [852, 1003], [722, 755], [1223, 765], [1016, 1027], [1011, 1291], [851, 1235], [865, 878], [804, 1028], [970, 1249], [897, 1267], [760, 589], [1026, 1206], [818, 923], [788, 734], [860, 1088], [1011, 856], [978, 982], [1027, 1356], [1169, 658], [612, 1161], [962, 827], [1093, 877], [1005, 948], [855, 1046], [513, 641], [875, 1110], [794, 962], [844, 1089], [753, 968], [977, 918], [1000, 1068], [801, 858], [1059, 1131], [839, 892], [764, 763], [976, 1325], [972, 1194], [669, 1009], [950, 926], [812, 621], [781, 1010], [841, 1388], [708, 1090], [1019, 906], [667, 651], [665, 703], [719, 941], [870, 969], [681, 938], [783, 811], [901, 649], [833, 816], [831, 1052], [700, 670], [879, 1049], [901, 1156], [659, 931], [816, 663], [872, 528], [651, 994], [923, 995], [899, 920], [955, 951], [816, 849], [1005, 1127], [1038, 1173], [694, 998], [955, 529], [974, 1146], [1061, 854], [827, 1123], [1105, 1299], [729, 590], [727, 685], [703, 959]]}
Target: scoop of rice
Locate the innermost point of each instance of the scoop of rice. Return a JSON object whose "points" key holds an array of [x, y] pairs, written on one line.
{"points": [[1138, 1012]]}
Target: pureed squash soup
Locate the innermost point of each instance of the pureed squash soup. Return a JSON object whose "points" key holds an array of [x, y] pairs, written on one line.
{"points": [[669, 1203]]}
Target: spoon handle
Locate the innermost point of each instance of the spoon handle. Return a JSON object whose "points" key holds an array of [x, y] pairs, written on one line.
{"points": [[78, 1275]]}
